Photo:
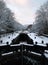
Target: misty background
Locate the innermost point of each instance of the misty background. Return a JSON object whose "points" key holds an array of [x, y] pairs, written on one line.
{"points": [[24, 15]]}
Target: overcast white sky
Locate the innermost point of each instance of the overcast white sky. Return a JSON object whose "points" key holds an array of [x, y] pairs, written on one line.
{"points": [[24, 9]]}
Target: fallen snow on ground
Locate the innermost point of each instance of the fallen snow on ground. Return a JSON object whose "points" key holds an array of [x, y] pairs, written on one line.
{"points": [[38, 39], [9, 37]]}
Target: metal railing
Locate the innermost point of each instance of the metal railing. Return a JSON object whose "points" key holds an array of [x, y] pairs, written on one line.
{"points": [[27, 50], [27, 47]]}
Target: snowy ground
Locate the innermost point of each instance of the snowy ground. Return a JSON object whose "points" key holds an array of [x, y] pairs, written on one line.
{"points": [[38, 39], [9, 37]]}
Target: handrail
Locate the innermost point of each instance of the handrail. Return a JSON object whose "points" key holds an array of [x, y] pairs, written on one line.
{"points": [[22, 44], [30, 47]]}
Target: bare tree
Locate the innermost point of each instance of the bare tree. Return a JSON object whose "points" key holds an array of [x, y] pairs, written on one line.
{"points": [[42, 18], [7, 20]]}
